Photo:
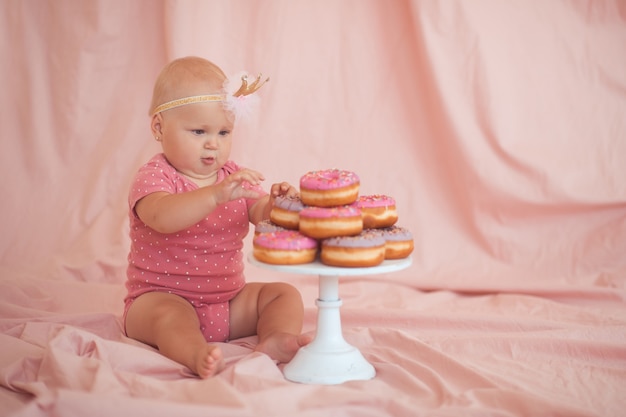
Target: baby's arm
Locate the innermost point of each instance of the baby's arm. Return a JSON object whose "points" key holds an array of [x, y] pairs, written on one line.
{"points": [[169, 213], [261, 209]]}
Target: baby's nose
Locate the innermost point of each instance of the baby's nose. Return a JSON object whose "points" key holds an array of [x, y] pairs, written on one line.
{"points": [[211, 142]]}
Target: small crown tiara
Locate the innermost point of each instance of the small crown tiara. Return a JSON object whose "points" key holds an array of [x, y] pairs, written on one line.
{"points": [[246, 89]]}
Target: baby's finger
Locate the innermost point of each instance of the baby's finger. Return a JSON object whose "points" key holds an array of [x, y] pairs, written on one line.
{"points": [[251, 176], [283, 189], [240, 178], [292, 192]]}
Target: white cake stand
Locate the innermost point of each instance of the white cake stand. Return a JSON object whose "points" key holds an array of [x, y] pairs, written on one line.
{"points": [[329, 359]]}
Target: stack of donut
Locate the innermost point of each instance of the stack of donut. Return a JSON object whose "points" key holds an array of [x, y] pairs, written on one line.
{"points": [[329, 216]]}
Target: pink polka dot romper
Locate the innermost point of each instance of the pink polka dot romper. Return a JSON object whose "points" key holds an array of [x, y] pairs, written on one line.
{"points": [[203, 263]]}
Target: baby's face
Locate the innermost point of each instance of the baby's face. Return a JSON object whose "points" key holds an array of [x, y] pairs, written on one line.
{"points": [[197, 140]]}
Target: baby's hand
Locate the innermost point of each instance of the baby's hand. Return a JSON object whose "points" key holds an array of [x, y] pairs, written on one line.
{"points": [[282, 189], [233, 188]]}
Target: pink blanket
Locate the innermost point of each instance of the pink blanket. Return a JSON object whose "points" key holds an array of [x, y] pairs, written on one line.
{"points": [[499, 128]]}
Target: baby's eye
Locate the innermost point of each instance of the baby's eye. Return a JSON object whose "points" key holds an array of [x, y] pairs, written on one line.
{"points": [[224, 132], [198, 132]]}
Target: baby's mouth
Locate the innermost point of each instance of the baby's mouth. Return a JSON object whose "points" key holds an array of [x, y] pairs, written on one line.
{"points": [[208, 160]]}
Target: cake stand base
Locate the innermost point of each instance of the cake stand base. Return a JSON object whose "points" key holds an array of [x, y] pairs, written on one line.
{"points": [[328, 368]]}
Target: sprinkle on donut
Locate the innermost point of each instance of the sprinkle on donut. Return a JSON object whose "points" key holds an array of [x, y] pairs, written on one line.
{"points": [[267, 226], [365, 239]]}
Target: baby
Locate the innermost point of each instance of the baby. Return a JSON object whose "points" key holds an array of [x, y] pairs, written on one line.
{"points": [[190, 208]]}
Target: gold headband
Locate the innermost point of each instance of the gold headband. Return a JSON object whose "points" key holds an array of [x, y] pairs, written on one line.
{"points": [[188, 100], [244, 90]]}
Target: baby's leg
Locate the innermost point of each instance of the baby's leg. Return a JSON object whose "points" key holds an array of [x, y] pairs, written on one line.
{"points": [[170, 323], [275, 312]]}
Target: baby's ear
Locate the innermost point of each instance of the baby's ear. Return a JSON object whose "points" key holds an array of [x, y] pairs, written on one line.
{"points": [[155, 124]]}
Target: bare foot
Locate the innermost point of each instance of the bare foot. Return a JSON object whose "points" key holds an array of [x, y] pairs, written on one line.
{"points": [[209, 361], [282, 347]]}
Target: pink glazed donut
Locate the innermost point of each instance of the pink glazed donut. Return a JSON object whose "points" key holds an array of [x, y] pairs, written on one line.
{"points": [[285, 212], [329, 188], [323, 222], [363, 250], [287, 247], [378, 210]]}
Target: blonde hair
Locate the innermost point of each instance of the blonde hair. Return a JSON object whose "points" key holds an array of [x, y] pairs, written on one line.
{"points": [[184, 77]]}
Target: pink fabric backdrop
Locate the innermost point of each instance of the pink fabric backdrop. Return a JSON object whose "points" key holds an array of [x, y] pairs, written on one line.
{"points": [[499, 127]]}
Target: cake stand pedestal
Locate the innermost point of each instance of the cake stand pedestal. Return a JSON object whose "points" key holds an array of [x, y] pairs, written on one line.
{"points": [[329, 359]]}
